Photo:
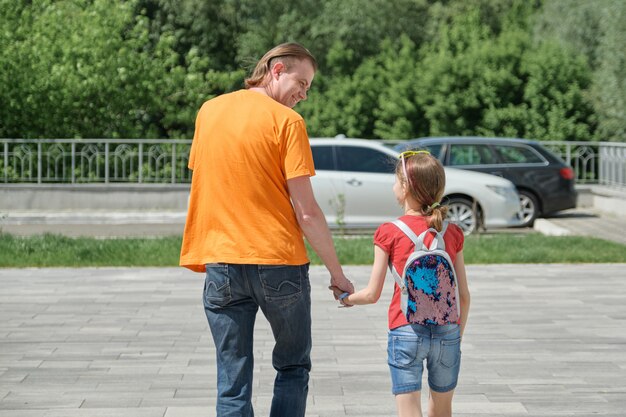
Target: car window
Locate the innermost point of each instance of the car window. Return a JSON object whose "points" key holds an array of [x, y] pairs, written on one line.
{"points": [[518, 154], [361, 159], [471, 155], [434, 149], [323, 158]]}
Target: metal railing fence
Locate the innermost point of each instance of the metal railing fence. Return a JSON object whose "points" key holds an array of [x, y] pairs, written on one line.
{"points": [[106, 161], [602, 163], [149, 161]]}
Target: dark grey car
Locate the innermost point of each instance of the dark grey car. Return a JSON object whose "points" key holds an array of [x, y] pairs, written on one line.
{"points": [[544, 182]]}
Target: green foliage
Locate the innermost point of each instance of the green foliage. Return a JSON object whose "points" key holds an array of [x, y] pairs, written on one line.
{"points": [[502, 85], [355, 29], [388, 69], [85, 68], [477, 76], [71, 65], [397, 114], [495, 15], [597, 30], [557, 106], [346, 105]]}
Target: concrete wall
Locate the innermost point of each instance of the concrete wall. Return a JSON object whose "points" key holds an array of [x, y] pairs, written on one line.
{"points": [[114, 197], [173, 197], [609, 200]]}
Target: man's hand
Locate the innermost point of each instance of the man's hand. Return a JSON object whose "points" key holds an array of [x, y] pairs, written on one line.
{"points": [[339, 285], [336, 291], [343, 283]]}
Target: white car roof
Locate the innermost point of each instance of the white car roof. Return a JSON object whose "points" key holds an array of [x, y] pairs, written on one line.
{"points": [[450, 172]]}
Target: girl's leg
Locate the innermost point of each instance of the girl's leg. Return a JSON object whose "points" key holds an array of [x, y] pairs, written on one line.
{"points": [[407, 348], [440, 404], [409, 404], [444, 362]]}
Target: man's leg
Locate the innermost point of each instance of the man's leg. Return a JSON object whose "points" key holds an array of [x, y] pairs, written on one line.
{"points": [[231, 313], [286, 303]]}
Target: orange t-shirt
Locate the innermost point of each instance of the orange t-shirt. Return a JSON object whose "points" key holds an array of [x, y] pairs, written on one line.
{"points": [[245, 148]]}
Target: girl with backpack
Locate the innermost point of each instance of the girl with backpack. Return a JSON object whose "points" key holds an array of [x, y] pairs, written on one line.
{"points": [[429, 308]]}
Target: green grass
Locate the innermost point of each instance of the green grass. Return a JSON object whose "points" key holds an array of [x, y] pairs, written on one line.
{"points": [[53, 250], [536, 248], [59, 251], [504, 248]]}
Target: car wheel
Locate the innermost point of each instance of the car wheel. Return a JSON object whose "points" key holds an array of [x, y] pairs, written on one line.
{"points": [[461, 212], [529, 208]]}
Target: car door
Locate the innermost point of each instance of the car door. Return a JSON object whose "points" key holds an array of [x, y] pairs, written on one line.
{"points": [[475, 156], [327, 182], [368, 177], [525, 167]]}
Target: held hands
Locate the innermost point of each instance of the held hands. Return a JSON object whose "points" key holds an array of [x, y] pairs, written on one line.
{"points": [[342, 299], [340, 294], [339, 285], [341, 288]]}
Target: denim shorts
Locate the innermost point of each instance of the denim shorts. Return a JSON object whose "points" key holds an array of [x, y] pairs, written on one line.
{"points": [[408, 347]]}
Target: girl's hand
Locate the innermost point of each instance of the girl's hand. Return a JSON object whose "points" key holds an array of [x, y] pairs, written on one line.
{"points": [[340, 295], [342, 299]]}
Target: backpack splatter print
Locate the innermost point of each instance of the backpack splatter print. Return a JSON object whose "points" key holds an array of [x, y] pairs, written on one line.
{"points": [[429, 292]]}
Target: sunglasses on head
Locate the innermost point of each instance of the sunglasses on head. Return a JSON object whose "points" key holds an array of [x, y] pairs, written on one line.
{"points": [[407, 154]]}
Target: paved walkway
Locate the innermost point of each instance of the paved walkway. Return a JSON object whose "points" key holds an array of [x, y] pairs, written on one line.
{"points": [[95, 223], [585, 222], [543, 340]]}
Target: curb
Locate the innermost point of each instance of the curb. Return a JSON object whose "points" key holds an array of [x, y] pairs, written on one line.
{"points": [[95, 217], [546, 227]]}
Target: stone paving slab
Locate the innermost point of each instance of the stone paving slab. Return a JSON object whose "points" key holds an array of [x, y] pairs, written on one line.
{"points": [[543, 340], [585, 222]]}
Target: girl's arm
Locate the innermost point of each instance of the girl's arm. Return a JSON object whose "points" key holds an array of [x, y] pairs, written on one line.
{"points": [[464, 294], [371, 293]]}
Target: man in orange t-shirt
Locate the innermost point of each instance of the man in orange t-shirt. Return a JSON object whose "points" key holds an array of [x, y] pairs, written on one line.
{"points": [[251, 201]]}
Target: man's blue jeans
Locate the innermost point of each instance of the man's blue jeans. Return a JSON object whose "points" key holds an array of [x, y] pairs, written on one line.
{"points": [[232, 297]]}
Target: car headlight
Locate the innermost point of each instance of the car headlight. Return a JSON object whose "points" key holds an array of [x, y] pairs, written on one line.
{"points": [[507, 192]]}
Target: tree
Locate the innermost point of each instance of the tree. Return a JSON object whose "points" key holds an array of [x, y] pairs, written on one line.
{"points": [[598, 31], [361, 27], [388, 69], [87, 68], [345, 104], [475, 82], [398, 115]]}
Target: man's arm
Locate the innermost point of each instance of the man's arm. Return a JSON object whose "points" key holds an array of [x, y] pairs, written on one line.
{"points": [[315, 228]]}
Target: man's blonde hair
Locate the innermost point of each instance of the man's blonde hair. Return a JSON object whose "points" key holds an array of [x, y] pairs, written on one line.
{"points": [[287, 53]]}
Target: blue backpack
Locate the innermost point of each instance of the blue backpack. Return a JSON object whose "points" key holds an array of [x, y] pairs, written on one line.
{"points": [[428, 286]]}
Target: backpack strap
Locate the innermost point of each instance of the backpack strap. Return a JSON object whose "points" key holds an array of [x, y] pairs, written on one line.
{"points": [[406, 230], [418, 241], [438, 242], [396, 277]]}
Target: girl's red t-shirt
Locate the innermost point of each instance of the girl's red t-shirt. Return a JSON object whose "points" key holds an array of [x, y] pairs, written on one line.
{"points": [[399, 247]]}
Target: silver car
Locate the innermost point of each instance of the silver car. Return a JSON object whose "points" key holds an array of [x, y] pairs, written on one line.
{"points": [[354, 180]]}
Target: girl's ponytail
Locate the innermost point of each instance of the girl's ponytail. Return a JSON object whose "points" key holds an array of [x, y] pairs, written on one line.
{"points": [[436, 214]]}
